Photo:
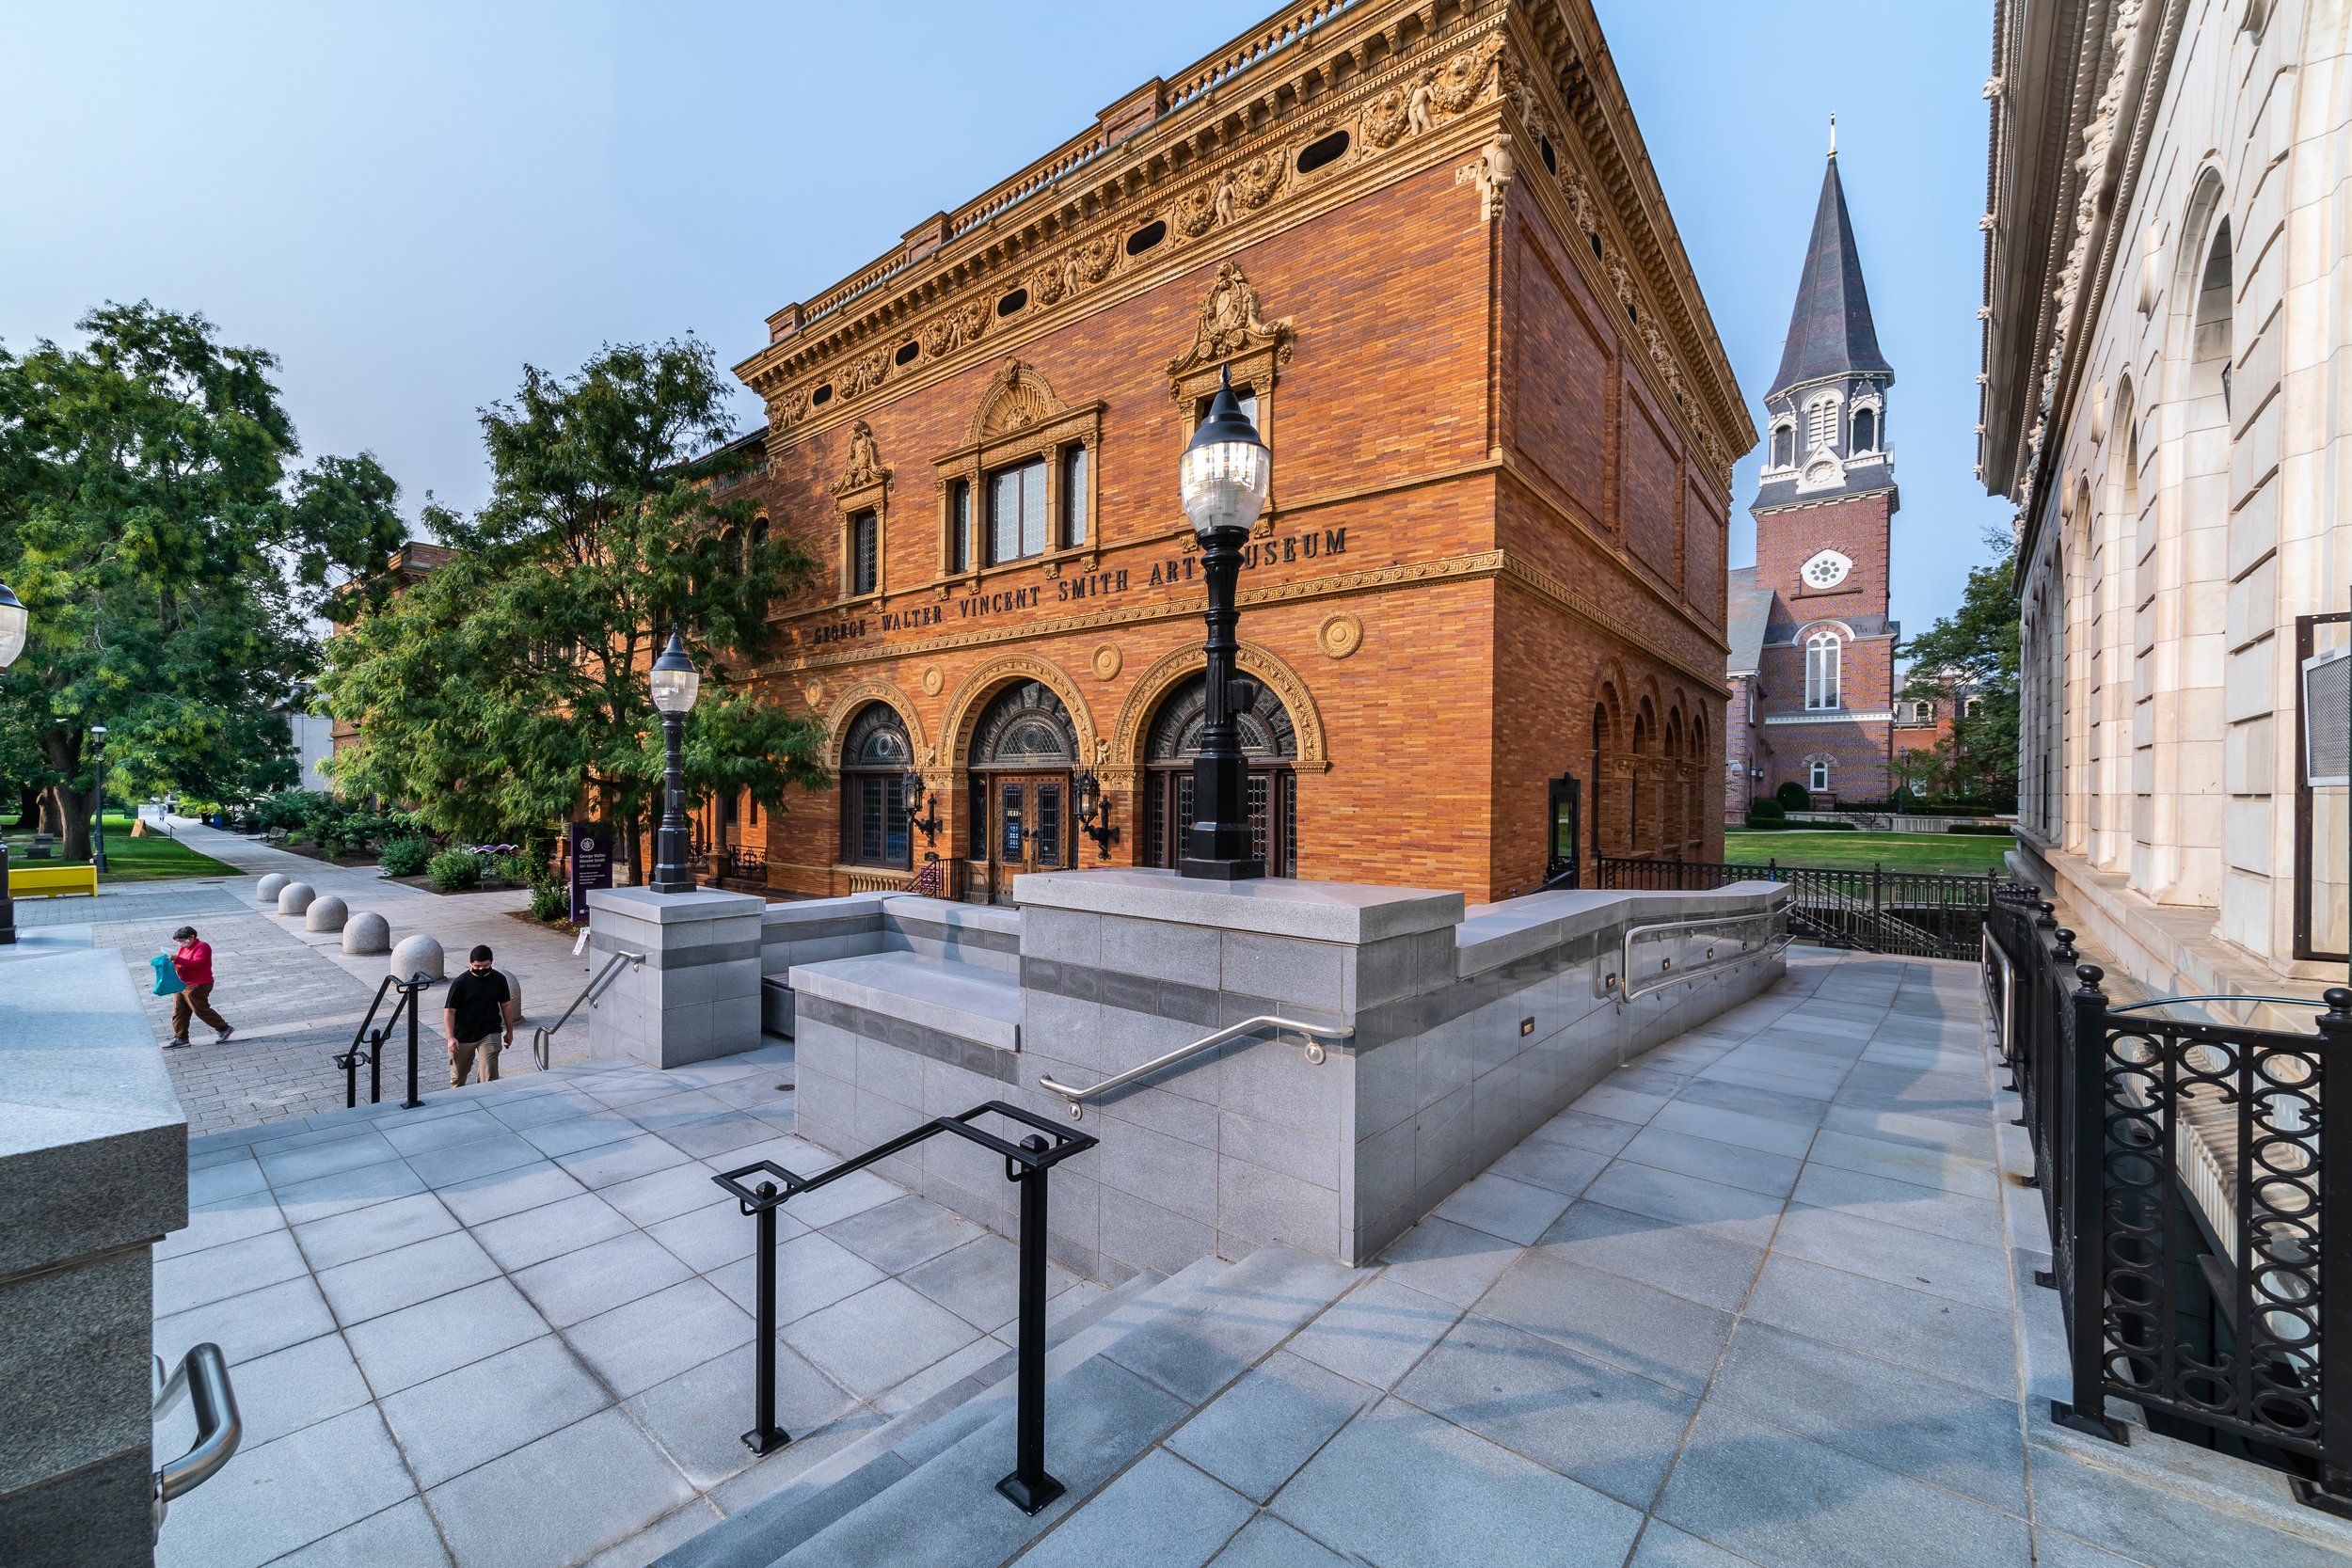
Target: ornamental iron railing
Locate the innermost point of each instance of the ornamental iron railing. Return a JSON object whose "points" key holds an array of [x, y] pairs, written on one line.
{"points": [[1914, 914], [2186, 1176]]}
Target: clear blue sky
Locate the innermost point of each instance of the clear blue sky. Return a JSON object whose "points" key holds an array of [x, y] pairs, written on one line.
{"points": [[407, 202]]}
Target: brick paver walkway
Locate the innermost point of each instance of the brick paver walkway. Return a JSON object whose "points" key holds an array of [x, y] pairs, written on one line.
{"points": [[295, 997]]}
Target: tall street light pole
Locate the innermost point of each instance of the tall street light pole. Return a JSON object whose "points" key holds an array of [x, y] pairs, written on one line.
{"points": [[98, 818], [675, 684], [12, 628], [1224, 476]]}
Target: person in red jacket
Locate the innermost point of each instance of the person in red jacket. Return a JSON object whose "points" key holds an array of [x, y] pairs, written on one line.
{"points": [[193, 962]]}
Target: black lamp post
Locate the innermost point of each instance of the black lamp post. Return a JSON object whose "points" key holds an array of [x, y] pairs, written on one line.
{"points": [[98, 818], [12, 620], [675, 684], [1224, 476]]}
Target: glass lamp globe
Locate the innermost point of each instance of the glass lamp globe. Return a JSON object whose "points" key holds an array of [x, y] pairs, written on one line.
{"points": [[675, 681], [1225, 469], [13, 618]]}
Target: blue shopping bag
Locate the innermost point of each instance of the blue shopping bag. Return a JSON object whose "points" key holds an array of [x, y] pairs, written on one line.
{"points": [[167, 976]]}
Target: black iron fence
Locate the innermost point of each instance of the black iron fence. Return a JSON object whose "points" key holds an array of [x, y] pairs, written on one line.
{"points": [[2187, 1177], [1915, 913]]}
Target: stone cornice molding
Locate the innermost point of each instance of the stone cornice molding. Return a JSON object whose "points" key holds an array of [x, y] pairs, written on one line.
{"points": [[1220, 165], [2075, 102], [1477, 566]]}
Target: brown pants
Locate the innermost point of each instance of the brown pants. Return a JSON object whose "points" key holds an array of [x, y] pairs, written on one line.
{"points": [[461, 1059], [196, 1001]]}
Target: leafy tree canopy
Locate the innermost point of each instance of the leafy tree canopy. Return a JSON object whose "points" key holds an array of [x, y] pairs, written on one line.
{"points": [[172, 561], [1972, 651], [501, 686]]}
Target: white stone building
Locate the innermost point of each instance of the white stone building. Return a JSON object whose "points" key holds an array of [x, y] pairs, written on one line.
{"points": [[2168, 323]]}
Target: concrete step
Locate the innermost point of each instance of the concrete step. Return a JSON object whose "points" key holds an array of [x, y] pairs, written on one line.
{"points": [[773, 1527], [1169, 1353]]}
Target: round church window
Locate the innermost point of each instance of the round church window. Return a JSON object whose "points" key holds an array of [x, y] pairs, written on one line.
{"points": [[1826, 570]]}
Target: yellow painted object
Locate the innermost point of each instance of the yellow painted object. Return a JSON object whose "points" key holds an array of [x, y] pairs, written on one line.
{"points": [[52, 881]]}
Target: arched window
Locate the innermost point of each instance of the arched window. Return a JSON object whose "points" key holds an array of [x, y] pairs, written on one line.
{"points": [[1784, 445], [1923, 713], [1822, 656], [1866, 430], [874, 759], [1817, 774], [1269, 742]]}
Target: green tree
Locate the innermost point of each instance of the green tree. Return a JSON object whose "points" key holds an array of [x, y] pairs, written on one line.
{"points": [[172, 562], [497, 689], [1972, 654]]}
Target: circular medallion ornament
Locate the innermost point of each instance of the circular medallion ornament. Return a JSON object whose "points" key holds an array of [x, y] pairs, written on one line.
{"points": [[814, 694], [1340, 635], [1107, 661], [933, 681], [1825, 570]]}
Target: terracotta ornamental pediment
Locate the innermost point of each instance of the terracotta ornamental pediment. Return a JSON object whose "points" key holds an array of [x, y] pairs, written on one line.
{"points": [[1232, 325]]}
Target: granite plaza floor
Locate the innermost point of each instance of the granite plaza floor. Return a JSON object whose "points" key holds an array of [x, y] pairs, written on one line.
{"points": [[1764, 1297]]}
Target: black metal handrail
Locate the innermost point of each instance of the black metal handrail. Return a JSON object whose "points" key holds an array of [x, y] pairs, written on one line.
{"points": [[1027, 1162], [1921, 914], [367, 1044], [2186, 1178]]}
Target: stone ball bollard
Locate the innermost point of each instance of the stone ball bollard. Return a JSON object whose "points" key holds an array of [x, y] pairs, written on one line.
{"points": [[267, 889], [367, 932], [417, 955], [326, 915], [297, 897]]}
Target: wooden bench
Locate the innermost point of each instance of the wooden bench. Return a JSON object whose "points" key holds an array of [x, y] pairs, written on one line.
{"points": [[52, 881]]}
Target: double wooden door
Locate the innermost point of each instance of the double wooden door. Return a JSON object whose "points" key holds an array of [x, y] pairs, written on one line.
{"points": [[1028, 827]]}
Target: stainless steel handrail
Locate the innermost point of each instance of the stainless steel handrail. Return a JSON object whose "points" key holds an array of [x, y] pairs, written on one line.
{"points": [[596, 987], [202, 1375], [1625, 993], [1315, 1034]]}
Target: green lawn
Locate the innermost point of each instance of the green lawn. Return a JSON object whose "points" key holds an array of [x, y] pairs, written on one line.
{"points": [[132, 860], [1966, 854]]}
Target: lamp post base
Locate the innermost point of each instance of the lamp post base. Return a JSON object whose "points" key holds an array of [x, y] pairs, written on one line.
{"points": [[1222, 871]]}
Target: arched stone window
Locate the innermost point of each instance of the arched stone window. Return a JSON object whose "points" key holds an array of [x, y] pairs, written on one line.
{"points": [[1866, 430], [874, 759], [1823, 656], [1817, 774], [1784, 445]]}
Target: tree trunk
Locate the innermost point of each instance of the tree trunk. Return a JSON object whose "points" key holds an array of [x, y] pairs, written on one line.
{"points": [[28, 807], [73, 808], [51, 823]]}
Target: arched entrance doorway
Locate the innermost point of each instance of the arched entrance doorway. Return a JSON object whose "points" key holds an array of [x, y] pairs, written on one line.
{"points": [[1267, 740], [1024, 748]]}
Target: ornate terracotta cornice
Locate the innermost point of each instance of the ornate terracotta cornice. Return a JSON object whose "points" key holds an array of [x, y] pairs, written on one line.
{"points": [[1409, 85]]}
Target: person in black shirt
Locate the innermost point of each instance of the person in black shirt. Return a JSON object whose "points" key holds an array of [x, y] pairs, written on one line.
{"points": [[479, 1017]]}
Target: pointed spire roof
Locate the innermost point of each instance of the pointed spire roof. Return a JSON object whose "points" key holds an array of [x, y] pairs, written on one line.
{"points": [[1830, 332]]}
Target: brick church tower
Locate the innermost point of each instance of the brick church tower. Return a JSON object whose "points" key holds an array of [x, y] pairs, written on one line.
{"points": [[1811, 667]]}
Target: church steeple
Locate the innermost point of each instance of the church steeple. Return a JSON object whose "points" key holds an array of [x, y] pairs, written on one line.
{"points": [[1830, 331], [1827, 407]]}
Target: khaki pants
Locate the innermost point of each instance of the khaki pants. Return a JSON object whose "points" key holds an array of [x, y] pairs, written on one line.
{"points": [[461, 1059], [196, 1001]]}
